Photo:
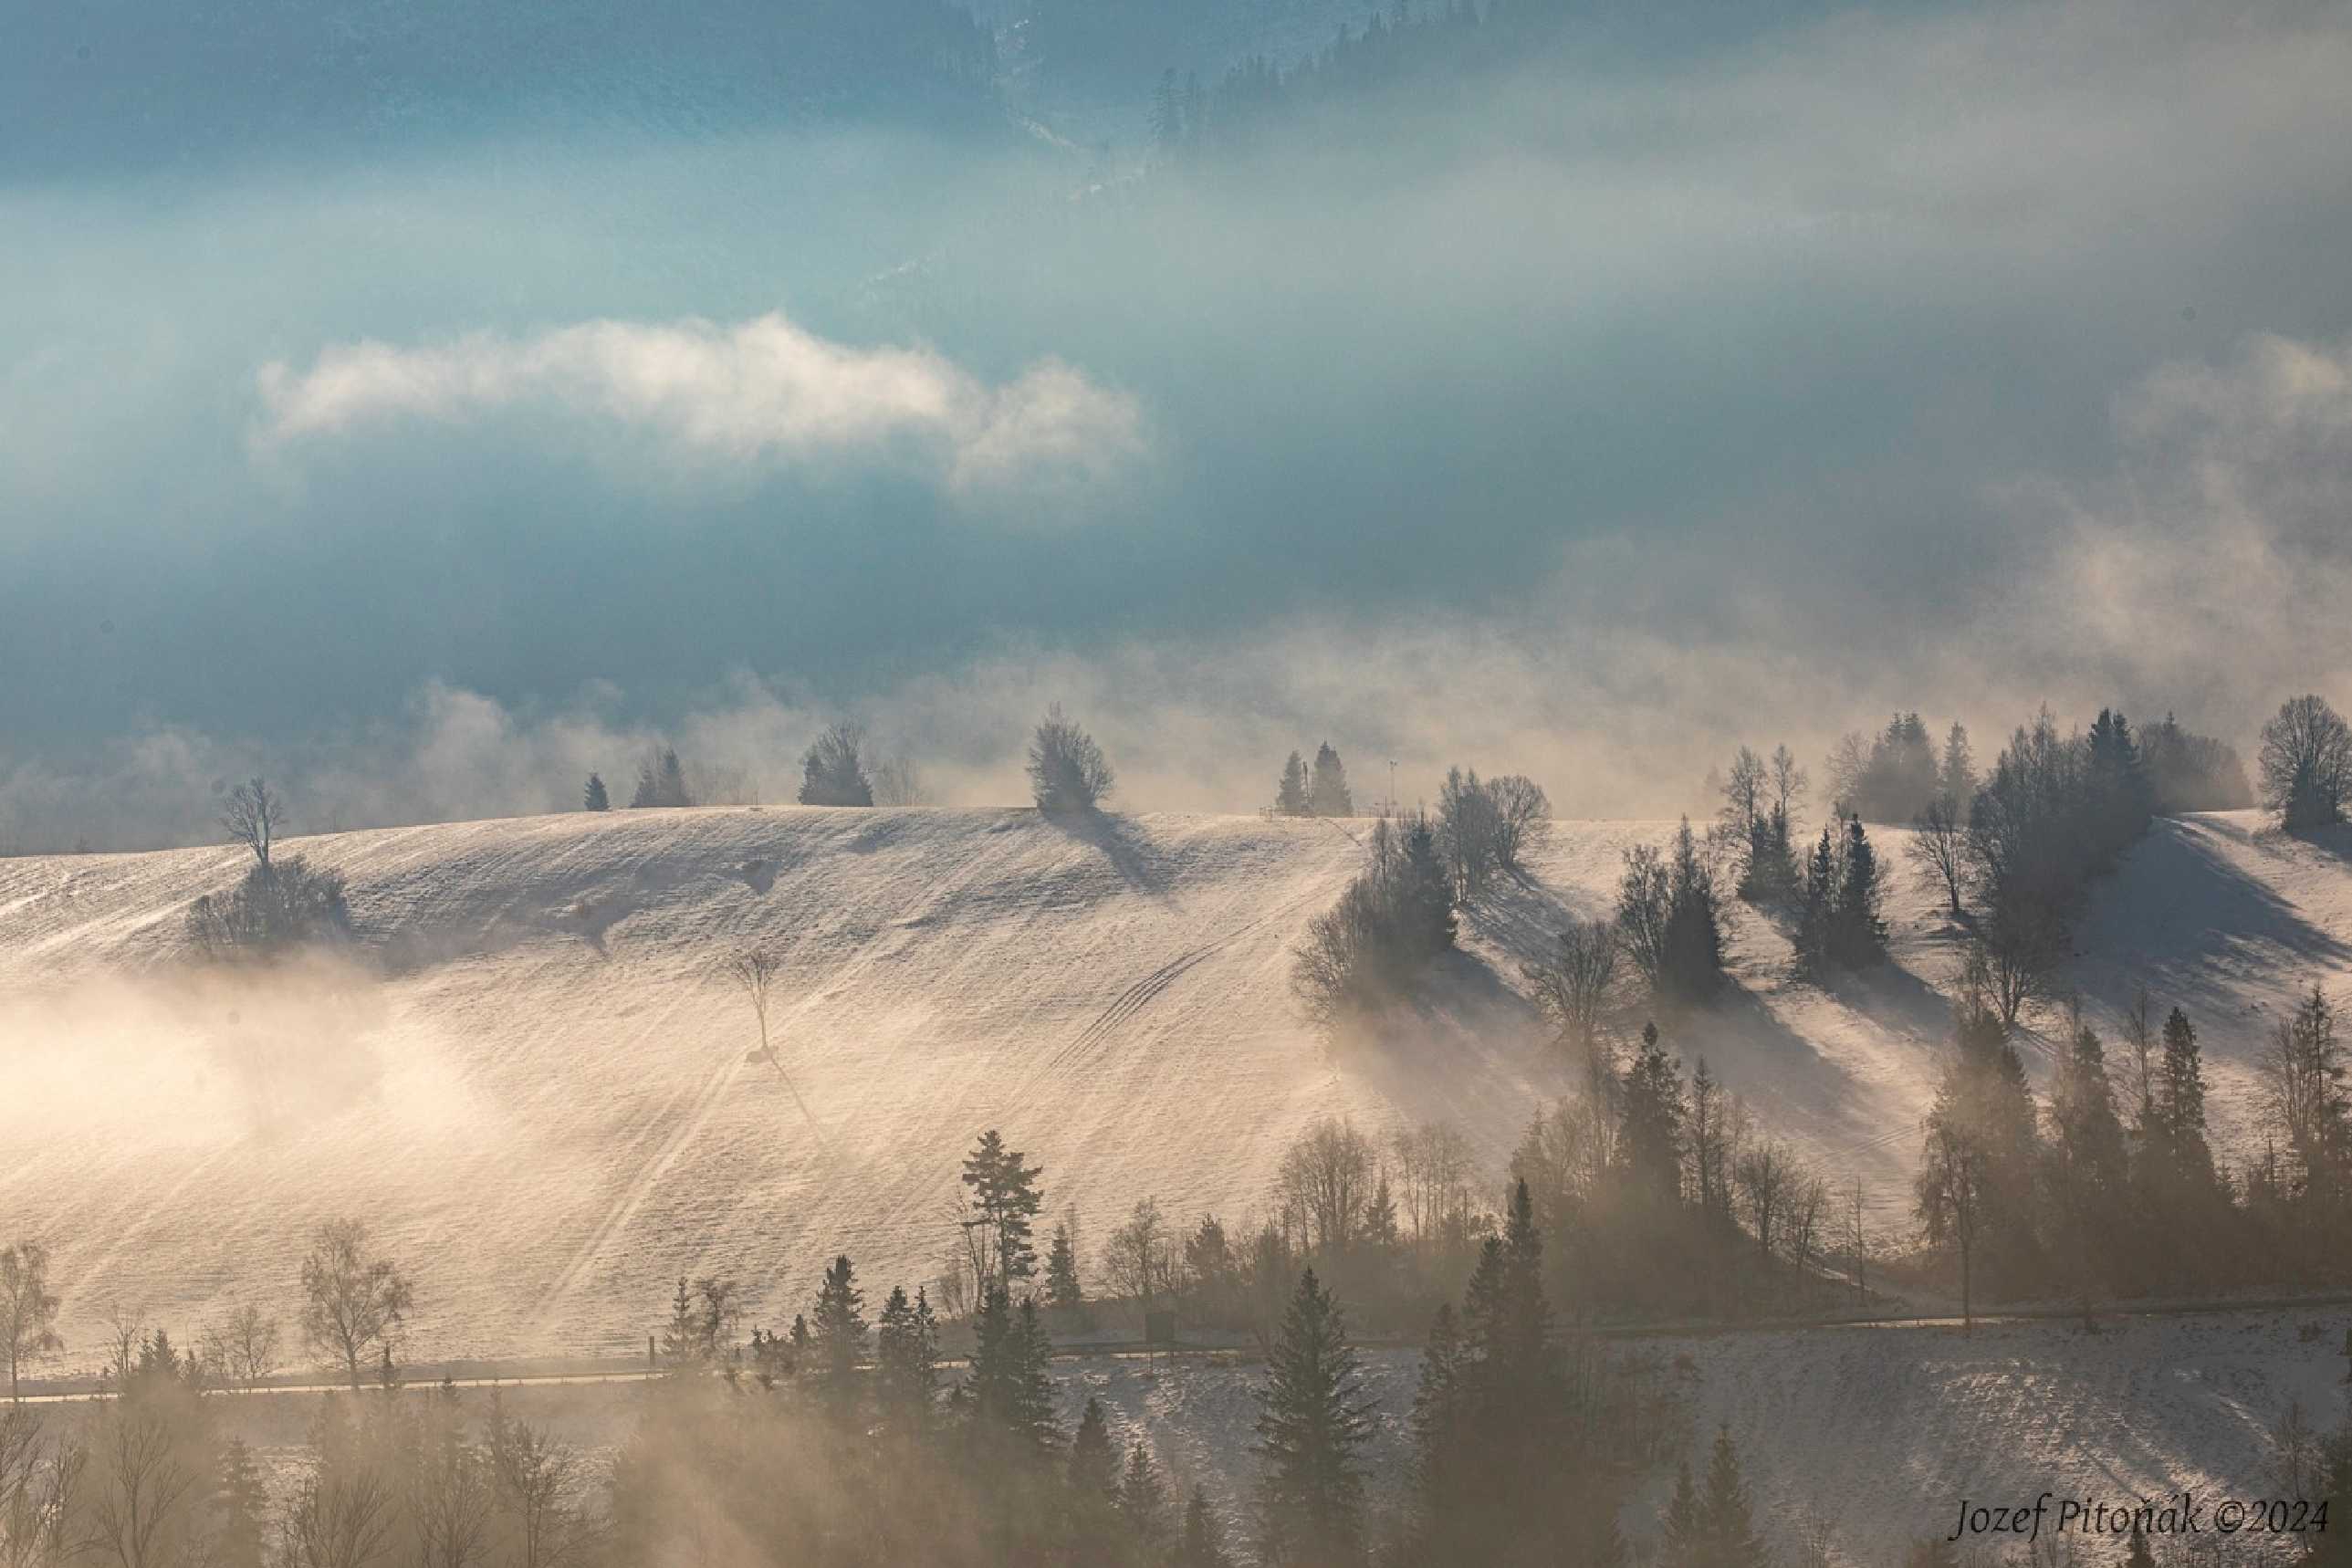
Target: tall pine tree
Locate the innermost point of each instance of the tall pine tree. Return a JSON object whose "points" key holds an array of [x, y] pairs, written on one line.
{"points": [[1005, 1201], [1290, 797], [1312, 1428], [840, 1329], [1093, 1462]]}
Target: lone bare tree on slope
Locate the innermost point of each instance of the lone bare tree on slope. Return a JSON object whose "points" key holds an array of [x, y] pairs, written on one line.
{"points": [[754, 971], [2306, 764], [353, 1300], [251, 815]]}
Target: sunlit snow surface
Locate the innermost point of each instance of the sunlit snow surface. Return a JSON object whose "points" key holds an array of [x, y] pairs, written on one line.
{"points": [[532, 1076]]}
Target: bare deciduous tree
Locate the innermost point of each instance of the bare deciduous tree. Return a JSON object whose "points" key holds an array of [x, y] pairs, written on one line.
{"points": [[1765, 1177], [754, 972], [1324, 1183], [353, 1300], [450, 1497], [533, 1477], [1571, 986], [2298, 1453], [145, 1490], [38, 1481], [1939, 847], [1521, 811], [898, 782], [1817, 1531], [2013, 964], [1809, 1201], [336, 1522], [242, 1352], [1437, 1178], [29, 1310], [1789, 783], [252, 815], [2306, 764], [1139, 1258]]}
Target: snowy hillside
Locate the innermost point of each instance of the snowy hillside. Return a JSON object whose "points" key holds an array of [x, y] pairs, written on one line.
{"points": [[534, 1077]]}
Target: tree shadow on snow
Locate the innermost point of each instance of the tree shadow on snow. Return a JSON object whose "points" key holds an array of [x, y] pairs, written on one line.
{"points": [[1771, 1067], [1894, 1000], [2180, 917], [1128, 852], [2333, 841], [1523, 919], [1466, 1049]]}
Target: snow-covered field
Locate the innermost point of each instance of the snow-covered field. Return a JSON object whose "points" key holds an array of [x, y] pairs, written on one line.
{"points": [[533, 1076], [1883, 1430]]}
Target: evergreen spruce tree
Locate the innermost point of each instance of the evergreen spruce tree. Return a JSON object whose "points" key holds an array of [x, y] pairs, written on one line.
{"points": [[1008, 1392], [1203, 1541], [669, 780], [681, 1339], [2120, 797], [2138, 1555], [1427, 892], [840, 1328], [240, 1509], [2089, 1170], [2180, 1105], [1956, 778], [594, 798], [1380, 1228], [1329, 795], [1861, 928], [1094, 1463], [1508, 1492], [1682, 1539], [1691, 956], [648, 790], [1143, 1499], [1650, 1123], [1817, 915], [1727, 1513], [1290, 797], [1005, 1202], [1440, 1435], [1312, 1428], [907, 1357], [1061, 1287]]}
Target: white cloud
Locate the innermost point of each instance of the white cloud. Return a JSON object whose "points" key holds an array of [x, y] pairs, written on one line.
{"points": [[762, 391]]}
